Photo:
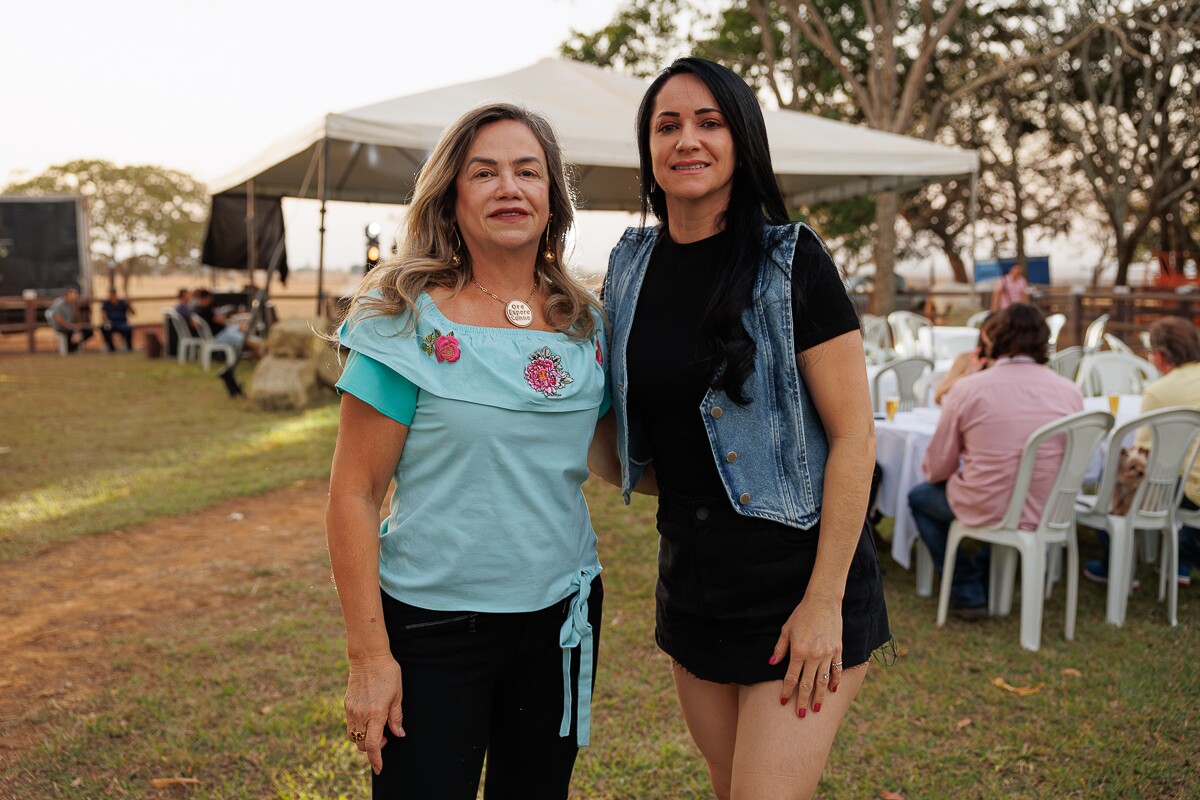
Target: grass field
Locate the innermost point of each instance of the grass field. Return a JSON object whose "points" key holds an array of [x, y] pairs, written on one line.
{"points": [[247, 698]]}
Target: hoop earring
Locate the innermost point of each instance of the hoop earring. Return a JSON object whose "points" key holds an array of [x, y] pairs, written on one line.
{"points": [[548, 254], [455, 259]]}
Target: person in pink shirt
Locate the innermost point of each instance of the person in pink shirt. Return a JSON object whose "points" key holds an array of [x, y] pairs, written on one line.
{"points": [[1011, 289], [972, 460]]}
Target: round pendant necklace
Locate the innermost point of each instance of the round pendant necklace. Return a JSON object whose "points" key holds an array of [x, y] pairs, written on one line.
{"points": [[517, 312]]}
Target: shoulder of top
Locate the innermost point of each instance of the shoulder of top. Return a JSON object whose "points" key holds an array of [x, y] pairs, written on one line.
{"points": [[639, 232]]}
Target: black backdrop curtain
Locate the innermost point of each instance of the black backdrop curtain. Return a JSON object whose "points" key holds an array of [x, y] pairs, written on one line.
{"points": [[225, 243]]}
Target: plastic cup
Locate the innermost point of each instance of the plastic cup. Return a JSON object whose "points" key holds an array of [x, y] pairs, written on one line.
{"points": [[891, 405], [1114, 403]]}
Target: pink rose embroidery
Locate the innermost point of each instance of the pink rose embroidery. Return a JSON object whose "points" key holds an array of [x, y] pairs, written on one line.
{"points": [[545, 373], [599, 353], [443, 347], [446, 348]]}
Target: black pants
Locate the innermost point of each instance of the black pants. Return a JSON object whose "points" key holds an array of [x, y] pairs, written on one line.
{"points": [[124, 331], [74, 343], [476, 683]]}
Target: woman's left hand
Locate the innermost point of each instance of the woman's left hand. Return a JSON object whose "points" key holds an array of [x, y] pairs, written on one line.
{"points": [[812, 638]]}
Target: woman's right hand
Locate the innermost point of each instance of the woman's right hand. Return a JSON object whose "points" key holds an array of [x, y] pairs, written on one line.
{"points": [[373, 695]]}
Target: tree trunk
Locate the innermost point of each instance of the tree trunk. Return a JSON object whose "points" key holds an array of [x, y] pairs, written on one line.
{"points": [[957, 265], [887, 207], [1125, 251]]}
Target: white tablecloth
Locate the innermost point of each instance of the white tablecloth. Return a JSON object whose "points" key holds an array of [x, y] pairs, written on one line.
{"points": [[1131, 406], [947, 341], [900, 448]]}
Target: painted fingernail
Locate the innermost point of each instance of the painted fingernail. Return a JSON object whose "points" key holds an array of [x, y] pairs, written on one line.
{"points": [[833, 689], [783, 701], [816, 707], [803, 711], [773, 660]]}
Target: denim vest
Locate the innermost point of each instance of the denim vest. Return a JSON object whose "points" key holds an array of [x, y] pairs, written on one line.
{"points": [[770, 453]]}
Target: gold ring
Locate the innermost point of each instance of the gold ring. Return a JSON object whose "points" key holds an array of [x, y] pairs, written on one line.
{"points": [[357, 736]]}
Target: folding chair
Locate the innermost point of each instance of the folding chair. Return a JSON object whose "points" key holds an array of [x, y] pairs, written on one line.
{"points": [[1083, 433]]}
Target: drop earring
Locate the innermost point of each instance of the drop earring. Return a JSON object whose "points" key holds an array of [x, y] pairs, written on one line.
{"points": [[455, 259], [548, 254]]}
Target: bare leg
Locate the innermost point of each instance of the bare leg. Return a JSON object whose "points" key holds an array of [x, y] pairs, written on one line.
{"points": [[779, 756], [711, 713]]}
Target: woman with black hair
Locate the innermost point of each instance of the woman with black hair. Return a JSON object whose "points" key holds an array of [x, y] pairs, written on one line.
{"points": [[739, 387]]}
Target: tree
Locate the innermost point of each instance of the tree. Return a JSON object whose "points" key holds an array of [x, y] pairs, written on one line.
{"points": [[139, 214], [1128, 101], [639, 41]]}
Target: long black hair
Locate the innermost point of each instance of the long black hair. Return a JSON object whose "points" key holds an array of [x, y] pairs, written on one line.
{"points": [[754, 201]]}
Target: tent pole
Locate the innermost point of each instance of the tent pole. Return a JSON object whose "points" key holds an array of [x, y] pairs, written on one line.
{"points": [[974, 214], [323, 191], [251, 230]]}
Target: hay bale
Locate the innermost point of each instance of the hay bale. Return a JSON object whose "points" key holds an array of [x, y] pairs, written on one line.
{"points": [[296, 338], [283, 383], [329, 365]]}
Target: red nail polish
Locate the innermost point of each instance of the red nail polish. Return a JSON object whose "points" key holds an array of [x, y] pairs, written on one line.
{"points": [[773, 660], [803, 711], [816, 707], [783, 701], [833, 689]]}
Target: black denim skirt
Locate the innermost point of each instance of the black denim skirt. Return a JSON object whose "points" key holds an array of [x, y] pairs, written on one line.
{"points": [[727, 583]]}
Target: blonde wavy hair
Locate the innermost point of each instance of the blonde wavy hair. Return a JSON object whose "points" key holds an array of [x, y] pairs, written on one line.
{"points": [[431, 237]]}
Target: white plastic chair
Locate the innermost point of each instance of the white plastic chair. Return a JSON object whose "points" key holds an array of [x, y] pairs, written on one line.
{"points": [[1066, 361], [905, 325], [1055, 322], [977, 319], [188, 344], [1116, 345], [875, 331], [941, 343], [208, 344], [1154, 505], [906, 372], [1094, 335], [875, 355], [1057, 526], [1114, 373]]}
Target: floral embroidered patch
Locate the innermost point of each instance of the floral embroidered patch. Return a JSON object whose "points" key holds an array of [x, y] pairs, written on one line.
{"points": [[545, 373], [599, 353], [442, 347]]}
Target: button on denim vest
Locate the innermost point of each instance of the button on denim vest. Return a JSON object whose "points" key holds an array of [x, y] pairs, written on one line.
{"points": [[770, 453]]}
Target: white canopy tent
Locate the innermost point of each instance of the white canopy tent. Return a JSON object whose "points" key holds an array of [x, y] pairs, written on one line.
{"points": [[371, 154]]}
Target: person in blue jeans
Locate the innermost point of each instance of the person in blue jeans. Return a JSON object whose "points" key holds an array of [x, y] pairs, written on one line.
{"points": [[1175, 353], [972, 460]]}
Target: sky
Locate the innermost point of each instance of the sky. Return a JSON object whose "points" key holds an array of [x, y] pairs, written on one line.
{"points": [[204, 85]]}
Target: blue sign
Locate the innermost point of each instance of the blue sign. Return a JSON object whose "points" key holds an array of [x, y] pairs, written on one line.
{"points": [[1037, 269]]}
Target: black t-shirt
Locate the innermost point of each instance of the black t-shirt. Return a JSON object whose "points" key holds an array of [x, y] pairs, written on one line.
{"points": [[208, 314], [666, 383]]}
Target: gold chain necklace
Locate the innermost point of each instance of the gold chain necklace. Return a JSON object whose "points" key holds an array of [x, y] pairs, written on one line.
{"points": [[517, 312]]}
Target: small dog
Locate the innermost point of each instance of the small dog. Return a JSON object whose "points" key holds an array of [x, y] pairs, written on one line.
{"points": [[1131, 469]]}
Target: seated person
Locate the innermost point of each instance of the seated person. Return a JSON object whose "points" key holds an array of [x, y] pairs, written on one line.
{"points": [[972, 460], [116, 320], [61, 316], [184, 308], [1175, 353], [222, 331], [970, 362]]}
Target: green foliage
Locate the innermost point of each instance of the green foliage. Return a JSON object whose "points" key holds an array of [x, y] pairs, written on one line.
{"points": [[642, 38], [141, 210]]}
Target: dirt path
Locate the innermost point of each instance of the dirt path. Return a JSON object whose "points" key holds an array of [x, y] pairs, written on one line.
{"points": [[62, 613]]}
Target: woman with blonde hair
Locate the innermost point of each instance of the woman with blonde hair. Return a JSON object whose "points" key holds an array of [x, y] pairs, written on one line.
{"points": [[475, 380]]}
